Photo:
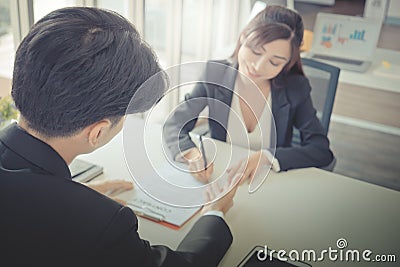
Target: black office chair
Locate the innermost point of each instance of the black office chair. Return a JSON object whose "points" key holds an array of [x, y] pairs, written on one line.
{"points": [[323, 80]]}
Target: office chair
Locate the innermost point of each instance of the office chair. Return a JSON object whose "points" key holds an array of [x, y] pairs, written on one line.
{"points": [[323, 80]]}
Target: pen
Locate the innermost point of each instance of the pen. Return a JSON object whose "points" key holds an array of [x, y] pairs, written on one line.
{"points": [[203, 152], [148, 216], [152, 215]]}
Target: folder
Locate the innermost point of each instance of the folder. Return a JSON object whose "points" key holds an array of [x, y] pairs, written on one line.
{"points": [[151, 209]]}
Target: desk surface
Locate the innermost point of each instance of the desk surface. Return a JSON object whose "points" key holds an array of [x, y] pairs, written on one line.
{"points": [[295, 210], [377, 76]]}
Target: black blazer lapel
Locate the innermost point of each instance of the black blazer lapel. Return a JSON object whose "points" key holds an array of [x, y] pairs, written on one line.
{"points": [[221, 103], [280, 112]]}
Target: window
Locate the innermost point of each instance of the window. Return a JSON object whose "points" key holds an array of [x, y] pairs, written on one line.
{"points": [[196, 22], [178, 30], [6, 48], [122, 7], [43, 7], [155, 27]]}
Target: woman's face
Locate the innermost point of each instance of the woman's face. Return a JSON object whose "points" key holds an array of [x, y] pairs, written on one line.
{"points": [[264, 62]]}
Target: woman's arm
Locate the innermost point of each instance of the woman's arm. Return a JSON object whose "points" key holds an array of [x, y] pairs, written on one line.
{"points": [[314, 149], [183, 119]]}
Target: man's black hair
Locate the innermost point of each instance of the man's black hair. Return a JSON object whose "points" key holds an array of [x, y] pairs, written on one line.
{"points": [[78, 66]]}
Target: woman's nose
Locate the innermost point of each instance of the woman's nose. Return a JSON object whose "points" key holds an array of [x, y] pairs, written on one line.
{"points": [[257, 65]]}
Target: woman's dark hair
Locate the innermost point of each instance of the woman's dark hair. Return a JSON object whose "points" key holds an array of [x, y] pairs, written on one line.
{"points": [[78, 66], [273, 23]]}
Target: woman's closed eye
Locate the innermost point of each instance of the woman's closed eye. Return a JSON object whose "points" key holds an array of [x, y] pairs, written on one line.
{"points": [[255, 52], [275, 64]]}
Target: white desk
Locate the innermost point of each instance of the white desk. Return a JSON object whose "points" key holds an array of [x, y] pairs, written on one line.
{"points": [[373, 77], [376, 77], [300, 209]]}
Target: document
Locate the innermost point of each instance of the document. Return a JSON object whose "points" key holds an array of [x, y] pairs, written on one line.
{"points": [[148, 207]]}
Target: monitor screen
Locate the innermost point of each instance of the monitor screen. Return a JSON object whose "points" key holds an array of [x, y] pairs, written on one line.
{"points": [[345, 36]]}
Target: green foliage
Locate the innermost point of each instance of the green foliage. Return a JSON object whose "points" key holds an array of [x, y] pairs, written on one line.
{"points": [[7, 109]]}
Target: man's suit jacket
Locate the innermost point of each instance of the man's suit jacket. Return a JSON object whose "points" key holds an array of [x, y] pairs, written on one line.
{"points": [[48, 219], [291, 107]]}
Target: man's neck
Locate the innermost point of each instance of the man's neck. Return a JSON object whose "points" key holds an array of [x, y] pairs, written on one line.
{"points": [[64, 146]]}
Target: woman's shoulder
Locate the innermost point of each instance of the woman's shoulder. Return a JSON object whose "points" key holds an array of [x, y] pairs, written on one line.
{"points": [[219, 72], [221, 61], [216, 76], [296, 84], [294, 81], [296, 87]]}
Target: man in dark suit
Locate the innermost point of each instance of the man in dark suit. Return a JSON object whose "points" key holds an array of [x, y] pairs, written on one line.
{"points": [[74, 76]]}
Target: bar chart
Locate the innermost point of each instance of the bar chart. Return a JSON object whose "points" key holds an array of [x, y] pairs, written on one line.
{"points": [[358, 35]]}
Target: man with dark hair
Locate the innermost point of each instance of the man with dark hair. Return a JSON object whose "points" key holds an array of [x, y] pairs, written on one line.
{"points": [[74, 76]]}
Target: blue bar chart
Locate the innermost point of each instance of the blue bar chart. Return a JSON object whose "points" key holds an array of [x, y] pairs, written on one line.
{"points": [[358, 35]]}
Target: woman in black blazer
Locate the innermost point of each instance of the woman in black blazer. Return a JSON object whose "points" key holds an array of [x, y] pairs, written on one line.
{"points": [[267, 55]]}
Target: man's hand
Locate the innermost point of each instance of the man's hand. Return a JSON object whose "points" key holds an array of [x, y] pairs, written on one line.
{"points": [[225, 203], [111, 188]]}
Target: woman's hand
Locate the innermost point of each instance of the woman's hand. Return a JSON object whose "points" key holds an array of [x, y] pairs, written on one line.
{"points": [[196, 165], [110, 188], [248, 167]]}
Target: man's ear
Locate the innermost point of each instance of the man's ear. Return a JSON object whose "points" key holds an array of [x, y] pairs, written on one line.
{"points": [[96, 130]]}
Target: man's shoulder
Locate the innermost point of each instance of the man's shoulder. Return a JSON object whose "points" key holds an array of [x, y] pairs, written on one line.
{"points": [[67, 203]]}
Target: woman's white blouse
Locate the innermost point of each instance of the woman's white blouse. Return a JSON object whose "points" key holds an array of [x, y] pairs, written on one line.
{"points": [[259, 138]]}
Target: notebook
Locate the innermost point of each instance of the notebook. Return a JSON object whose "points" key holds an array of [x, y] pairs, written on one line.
{"points": [[345, 41], [83, 171], [148, 207]]}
